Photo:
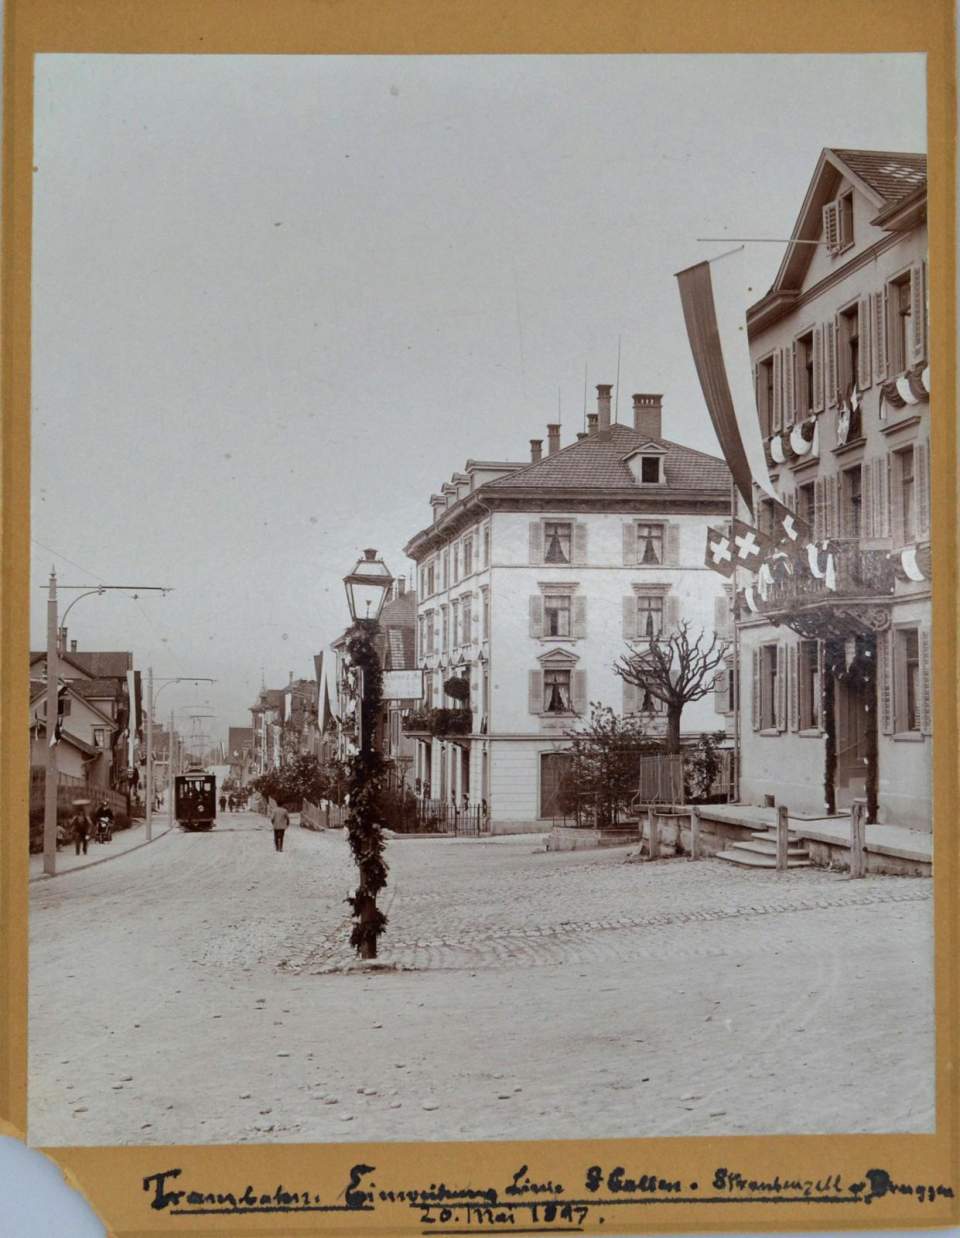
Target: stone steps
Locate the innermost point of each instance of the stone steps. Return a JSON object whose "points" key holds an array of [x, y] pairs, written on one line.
{"points": [[750, 859], [760, 851]]}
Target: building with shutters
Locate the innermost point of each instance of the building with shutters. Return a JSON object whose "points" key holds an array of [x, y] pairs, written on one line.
{"points": [[531, 577], [836, 674]]}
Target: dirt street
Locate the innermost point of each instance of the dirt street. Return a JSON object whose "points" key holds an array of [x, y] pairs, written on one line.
{"points": [[191, 991]]}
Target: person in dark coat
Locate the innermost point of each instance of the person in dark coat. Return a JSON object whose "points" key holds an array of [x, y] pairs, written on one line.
{"points": [[279, 819], [80, 826]]}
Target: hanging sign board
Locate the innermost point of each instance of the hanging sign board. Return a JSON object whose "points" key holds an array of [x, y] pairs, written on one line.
{"points": [[403, 685]]}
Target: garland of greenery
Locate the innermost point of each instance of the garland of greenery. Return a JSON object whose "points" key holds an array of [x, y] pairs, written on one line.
{"points": [[366, 785], [830, 738]]}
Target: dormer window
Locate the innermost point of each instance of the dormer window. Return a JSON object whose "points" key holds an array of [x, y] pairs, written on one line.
{"points": [[646, 464]]}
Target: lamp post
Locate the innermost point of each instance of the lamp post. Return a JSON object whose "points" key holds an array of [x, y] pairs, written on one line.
{"points": [[54, 633], [152, 701], [367, 586]]}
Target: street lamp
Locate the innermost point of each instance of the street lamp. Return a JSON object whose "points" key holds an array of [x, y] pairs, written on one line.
{"points": [[367, 586]]}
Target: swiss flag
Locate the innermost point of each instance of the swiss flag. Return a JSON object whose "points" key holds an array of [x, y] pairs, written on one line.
{"points": [[720, 553], [750, 546], [788, 528]]}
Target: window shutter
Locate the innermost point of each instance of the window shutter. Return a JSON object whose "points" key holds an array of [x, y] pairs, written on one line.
{"points": [[881, 498], [921, 456], [793, 687], [536, 615], [467, 619], [896, 500], [819, 513], [830, 351], [671, 613], [926, 701], [755, 714], [629, 543], [831, 490], [864, 370], [776, 421], [536, 541], [580, 616], [918, 324], [580, 542], [535, 680], [721, 692], [671, 545], [880, 335], [885, 681], [721, 615], [818, 369], [817, 710], [631, 698], [867, 500], [580, 692], [831, 226], [630, 617], [789, 385], [781, 686]]}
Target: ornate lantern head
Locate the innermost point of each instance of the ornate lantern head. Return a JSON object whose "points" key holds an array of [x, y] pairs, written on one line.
{"points": [[367, 586]]}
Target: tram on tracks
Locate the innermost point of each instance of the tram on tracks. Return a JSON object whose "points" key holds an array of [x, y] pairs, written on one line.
{"points": [[195, 800]]}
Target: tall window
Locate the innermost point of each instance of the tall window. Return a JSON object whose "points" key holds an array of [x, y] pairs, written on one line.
{"points": [[485, 611], [556, 692], [556, 614], [904, 479], [467, 555], [650, 469], [557, 535], [445, 611], [456, 563], [649, 615], [805, 374], [769, 670], [649, 543], [486, 545], [907, 699], [846, 220], [431, 580], [446, 568], [455, 623], [849, 348], [806, 503], [808, 671], [899, 303], [852, 499], [765, 395]]}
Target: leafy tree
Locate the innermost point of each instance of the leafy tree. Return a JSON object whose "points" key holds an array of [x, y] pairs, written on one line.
{"points": [[674, 670], [603, 776], [301, 778]]}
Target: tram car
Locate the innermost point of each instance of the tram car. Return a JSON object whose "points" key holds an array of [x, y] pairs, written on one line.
{"points": [[195, 800]]}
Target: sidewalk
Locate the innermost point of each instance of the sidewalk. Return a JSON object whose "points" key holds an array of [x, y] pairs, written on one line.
{"points": [[123, 842]]}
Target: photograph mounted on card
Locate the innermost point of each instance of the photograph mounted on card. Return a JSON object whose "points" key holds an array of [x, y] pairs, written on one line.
{"points": [[481, 722]]}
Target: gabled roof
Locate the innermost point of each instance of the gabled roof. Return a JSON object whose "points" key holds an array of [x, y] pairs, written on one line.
{"points": [[40, 655], [891, 174], [110, 664], [599, 461], [98, 689], [38, 689], [883, 177], [400, 647]]}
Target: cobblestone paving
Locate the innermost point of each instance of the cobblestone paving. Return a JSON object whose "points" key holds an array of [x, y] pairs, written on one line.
{"points": [[537, 995]]}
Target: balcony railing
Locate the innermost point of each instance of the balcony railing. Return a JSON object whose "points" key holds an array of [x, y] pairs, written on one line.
{"points": [[865, 574], [439, 722]]}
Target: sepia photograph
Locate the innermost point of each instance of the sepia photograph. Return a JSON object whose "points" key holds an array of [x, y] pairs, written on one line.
{"points": [[481, 678]]}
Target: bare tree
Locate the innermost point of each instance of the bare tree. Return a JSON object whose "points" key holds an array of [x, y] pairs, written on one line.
{"points": [[674, 670]]}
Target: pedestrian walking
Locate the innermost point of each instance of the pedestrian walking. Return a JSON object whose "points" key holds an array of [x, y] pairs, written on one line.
{"points": [[104, 820], [279, 819], [80, 825], [223, 803], [232, 803]]}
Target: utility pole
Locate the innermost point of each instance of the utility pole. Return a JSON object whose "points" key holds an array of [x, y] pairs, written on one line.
{"points": [[51, 774], [149, 754], [170, 778]]}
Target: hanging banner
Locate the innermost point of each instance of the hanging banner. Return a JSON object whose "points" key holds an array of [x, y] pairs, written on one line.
{"points": [[403, 685], [133, 714]]}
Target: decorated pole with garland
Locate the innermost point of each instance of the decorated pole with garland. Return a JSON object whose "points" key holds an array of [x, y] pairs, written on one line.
{"points": [[366, 784]]}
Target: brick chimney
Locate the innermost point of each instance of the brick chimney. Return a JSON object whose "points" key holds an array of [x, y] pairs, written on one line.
{"points": [[603, 404], [73, 646], [647, 418], [581, 435], [553, 438], [536, 450], [591, 423], [401, 586]]}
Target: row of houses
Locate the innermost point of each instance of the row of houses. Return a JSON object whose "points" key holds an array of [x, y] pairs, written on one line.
{"points": [[534, 575]]}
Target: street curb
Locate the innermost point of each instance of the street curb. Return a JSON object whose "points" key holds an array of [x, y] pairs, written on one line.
{"points": [[79, 868]]}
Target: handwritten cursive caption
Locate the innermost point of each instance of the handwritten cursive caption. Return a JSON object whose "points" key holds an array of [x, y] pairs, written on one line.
{"points": [[528, 1203]]}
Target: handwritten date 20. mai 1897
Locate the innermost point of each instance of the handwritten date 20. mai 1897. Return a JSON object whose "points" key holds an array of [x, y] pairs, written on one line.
{"points": [[528, 1201]]}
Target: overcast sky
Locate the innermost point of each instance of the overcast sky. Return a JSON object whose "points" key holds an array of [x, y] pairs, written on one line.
{"points": [[279, 300]]}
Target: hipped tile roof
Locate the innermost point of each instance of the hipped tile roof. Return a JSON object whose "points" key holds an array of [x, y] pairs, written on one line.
{"points": [[597, 461]]}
